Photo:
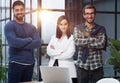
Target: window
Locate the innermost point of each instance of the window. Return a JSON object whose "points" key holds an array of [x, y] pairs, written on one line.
{"points": [[49, 18]]}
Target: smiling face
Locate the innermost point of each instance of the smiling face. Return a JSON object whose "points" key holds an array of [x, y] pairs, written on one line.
{"points": [[63, 26], [89, 15], [19, 12]]}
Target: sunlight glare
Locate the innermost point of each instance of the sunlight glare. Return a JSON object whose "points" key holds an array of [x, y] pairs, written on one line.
{"points": [[45, 15]]}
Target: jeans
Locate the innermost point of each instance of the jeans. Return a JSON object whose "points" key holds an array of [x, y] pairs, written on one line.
{"points": [[89, 76], [19, 73]]}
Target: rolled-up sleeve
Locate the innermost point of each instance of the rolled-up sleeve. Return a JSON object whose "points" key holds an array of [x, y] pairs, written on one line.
{"points": [[100, 43]]}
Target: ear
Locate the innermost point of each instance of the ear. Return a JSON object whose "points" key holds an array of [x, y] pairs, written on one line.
{"points": [[83, 15]]}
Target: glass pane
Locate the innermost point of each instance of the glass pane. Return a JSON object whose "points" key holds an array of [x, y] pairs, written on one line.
{"points": [[118, 26], [0, 29], [4, 3], [7, 13], [105, 5], [7, 3], [118, 4], [53, 4], [87, 1], [34, 4], [27, 5], [34, 19], [27, 18], [3, 14], [107, 20], [5, 46], [49, 20]]}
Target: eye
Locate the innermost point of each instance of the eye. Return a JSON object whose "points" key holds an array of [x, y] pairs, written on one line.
{"points": [[16, 10], [60, 24], [92, 13], [22, 9]]}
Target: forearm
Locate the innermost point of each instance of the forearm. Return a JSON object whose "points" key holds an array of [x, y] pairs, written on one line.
{"points": [[99, 43], [18, 42], [80, 39], [33, 44], [65, 55], [14, 40], [52, 52], [69, 52]]}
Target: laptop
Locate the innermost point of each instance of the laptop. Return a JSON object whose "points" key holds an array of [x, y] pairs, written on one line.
{"points": [[55, 74]]}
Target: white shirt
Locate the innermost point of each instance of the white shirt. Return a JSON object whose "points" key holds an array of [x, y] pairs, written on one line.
{"points": [[65, 59]]}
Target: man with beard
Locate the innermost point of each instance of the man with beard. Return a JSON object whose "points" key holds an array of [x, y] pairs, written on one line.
{"points": [[90, 38], [22, 38]]}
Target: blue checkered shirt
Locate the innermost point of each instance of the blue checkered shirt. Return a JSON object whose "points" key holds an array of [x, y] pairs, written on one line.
{"points": [[94, 60]]}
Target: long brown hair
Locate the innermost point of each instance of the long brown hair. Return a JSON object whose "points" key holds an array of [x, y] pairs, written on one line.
{"points": [[58, 31]]}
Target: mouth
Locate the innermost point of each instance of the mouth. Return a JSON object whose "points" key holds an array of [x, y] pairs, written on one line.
{"points": [[20, 14], [90, 19]]}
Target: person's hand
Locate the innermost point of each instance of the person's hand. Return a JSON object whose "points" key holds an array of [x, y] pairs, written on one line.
{"points": [[30, 38], [96, 39], [63, 51], [52, 47], [87, 34]]}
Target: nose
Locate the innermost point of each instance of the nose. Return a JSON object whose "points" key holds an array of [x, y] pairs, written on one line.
{"points": [[20, 11], [90, 15], [63, 26]]}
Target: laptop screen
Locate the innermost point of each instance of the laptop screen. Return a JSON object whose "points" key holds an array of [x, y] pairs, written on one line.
{"points": [[55, 74]]}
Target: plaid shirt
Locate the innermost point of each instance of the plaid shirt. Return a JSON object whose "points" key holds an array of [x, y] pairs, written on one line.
{"points": [[94, 60]]}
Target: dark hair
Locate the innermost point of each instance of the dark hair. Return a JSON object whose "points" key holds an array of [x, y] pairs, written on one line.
{"points": [[18, 3], [88, 6], [58, 31]]}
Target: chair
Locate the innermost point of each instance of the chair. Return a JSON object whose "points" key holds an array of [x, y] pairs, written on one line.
{"points": [[108, 80]]}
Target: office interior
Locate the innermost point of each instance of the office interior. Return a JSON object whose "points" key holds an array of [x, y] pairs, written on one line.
{"points": [[44, 13]]}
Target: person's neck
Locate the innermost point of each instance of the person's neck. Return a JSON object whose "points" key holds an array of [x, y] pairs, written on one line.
{"points": [[90, 25], [62, 37], [64, 34], [19, 21]]}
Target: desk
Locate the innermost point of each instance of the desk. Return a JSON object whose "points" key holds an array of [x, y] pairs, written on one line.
{"points": [[31, 82]]}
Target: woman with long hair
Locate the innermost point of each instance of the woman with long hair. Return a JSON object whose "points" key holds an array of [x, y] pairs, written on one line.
{"points": [[61, 47]]}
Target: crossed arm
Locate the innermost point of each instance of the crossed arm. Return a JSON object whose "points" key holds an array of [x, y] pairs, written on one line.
{"points": [[18, 42], [97, 42]]}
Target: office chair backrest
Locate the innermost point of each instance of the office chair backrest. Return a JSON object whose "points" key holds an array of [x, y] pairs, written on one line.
{"points": [[108, 80]]}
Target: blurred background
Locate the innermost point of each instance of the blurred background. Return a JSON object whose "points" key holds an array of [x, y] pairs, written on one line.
{"points": [[44, 14]]}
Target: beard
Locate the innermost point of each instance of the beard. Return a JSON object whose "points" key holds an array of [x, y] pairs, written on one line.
{"points": [[90, 21], [19, 18]]}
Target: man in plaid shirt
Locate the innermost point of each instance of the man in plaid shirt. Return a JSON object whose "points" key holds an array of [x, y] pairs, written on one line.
{"points": [[91, 40]]}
